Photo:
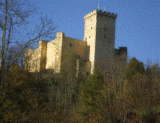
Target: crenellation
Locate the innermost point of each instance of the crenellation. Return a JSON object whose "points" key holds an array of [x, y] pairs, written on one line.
{"points": [[107, 14], [90, 14], [102, 13], [65, 54], [120, 51]]}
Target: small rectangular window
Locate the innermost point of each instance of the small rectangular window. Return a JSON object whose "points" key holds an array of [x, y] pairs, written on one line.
{"points": [[69, 45]]}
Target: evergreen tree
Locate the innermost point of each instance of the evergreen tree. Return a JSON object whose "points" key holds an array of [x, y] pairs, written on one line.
{"points": [[134, 67], [91, 98]]}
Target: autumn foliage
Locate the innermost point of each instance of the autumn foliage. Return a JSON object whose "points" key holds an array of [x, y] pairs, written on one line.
{"points": [[133, 96]]}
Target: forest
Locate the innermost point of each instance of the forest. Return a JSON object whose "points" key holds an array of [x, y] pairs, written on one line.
{"points": [[129, 95]]}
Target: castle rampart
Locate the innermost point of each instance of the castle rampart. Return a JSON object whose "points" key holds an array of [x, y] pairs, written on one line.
{"points": [[102, 13], [65, 54], [35, 59]]}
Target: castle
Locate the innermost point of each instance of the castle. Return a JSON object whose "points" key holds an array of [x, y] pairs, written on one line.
{"points": [[96, 51]]}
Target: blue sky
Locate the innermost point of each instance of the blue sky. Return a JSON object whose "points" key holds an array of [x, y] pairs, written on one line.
{"points": [[137, 24]]}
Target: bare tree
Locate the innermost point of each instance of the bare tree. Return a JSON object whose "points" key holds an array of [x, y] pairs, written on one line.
{"points": [[14, 16]]}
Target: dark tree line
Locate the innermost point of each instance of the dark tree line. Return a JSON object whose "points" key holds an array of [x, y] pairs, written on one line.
{"points": [[45, 97]]}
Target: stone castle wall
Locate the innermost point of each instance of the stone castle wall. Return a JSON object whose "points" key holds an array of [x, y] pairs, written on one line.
{"points": [[105, 41], [35, 60], [54, 53], [90, 35], [60, 52], [73, 53], [76, 56]]}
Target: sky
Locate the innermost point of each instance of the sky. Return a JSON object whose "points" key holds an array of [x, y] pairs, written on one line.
{"points": [[137, 24]]}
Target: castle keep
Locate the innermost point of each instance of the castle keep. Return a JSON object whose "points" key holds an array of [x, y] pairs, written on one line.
{"points": [[81, 57]]}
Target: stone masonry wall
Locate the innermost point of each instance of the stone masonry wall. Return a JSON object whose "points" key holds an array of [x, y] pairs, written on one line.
{"points": [[73, 55], [35, 59], [54, 53], [105, 41], [90, 35], [100, 36]]}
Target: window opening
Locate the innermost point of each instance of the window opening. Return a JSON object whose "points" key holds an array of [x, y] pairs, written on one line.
{"points": [[69, 45]]}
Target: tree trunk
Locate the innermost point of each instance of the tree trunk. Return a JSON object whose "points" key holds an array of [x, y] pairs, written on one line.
{"points": [[3, 44]]}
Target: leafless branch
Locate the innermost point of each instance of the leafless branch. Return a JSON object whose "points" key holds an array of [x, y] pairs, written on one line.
{"points": [[14, 13]]}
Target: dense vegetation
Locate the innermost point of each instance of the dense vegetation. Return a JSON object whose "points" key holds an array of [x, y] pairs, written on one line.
{"points": [[129, 94]]}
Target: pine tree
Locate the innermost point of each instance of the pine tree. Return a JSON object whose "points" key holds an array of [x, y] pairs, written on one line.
{"points": [[91, 99]]}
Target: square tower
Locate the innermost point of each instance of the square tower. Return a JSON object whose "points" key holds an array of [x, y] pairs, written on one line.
{"points": [[99, 32]]}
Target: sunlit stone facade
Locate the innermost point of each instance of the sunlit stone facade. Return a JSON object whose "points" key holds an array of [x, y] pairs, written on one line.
{"points": [[65, 54]]}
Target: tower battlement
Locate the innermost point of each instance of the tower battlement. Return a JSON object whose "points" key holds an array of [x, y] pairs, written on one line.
{"points": [[90, 14], [69, 55], [108, 14], [102, 13]]}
